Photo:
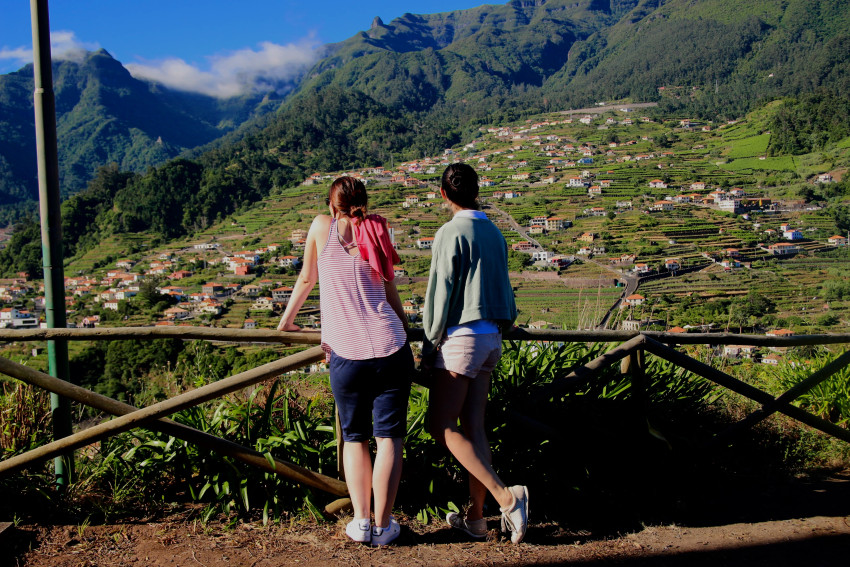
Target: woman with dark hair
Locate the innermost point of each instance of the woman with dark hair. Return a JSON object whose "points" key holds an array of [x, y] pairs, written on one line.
{"points": [[364, 332], [468, 303]]}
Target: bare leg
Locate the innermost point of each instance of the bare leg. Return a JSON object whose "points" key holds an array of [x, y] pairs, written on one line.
{"points": [[385, 477], [448, 397], [357, 462], [472, 423]]}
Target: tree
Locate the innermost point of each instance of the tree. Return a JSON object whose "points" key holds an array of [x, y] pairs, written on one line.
{"points": [[149, 295], [841, 216]]}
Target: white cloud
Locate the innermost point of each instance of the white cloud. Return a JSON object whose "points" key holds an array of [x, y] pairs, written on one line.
{"points": [[64, 46], [22, 55], [234, 73]]}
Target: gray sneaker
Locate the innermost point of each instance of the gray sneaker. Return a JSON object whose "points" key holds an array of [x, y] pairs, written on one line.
{"points": [[385, 536], [515, 519], [474, 528], [359, 530]]}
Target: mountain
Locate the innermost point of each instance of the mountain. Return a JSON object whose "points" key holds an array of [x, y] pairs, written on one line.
{"points": [[104, 115], [484, 54], [424, 82], [538, 53]]}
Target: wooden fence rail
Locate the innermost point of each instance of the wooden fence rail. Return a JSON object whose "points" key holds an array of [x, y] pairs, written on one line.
{"points": [[630, 354], [114, 407], [312, 337]]}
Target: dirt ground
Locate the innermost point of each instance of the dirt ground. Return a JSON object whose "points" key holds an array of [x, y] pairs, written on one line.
{"points": [[805, 523], [821, 541]]}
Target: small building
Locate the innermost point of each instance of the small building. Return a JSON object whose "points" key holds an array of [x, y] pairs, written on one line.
{"points": [[772, 359], [557, 223], [263, 304], [282, 294], [212, 289], [783, 249], [175, 313]]}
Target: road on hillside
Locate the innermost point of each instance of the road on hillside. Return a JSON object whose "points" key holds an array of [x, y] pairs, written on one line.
{"points": [[515, 225], [632, 283]]}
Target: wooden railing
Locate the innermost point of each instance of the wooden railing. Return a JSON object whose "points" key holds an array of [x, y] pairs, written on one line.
{"points": [[629, 353]]}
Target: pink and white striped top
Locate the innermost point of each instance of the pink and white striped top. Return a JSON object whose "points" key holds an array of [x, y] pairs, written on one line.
{"points": [[357, 321]]}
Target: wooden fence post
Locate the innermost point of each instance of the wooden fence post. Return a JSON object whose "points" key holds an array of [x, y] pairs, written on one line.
{"points": [[634, 366]]}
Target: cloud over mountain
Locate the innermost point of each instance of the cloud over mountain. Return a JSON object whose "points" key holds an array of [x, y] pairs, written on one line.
{"points": [[64, 46], [235, 73]]}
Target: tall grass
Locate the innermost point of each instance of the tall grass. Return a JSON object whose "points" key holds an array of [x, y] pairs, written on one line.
{"points": [[24, 417], [830, 399], [595, 447], [587, 426]]}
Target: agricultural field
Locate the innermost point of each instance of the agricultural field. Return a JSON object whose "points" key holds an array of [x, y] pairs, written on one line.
{"points": [[545, 305]]}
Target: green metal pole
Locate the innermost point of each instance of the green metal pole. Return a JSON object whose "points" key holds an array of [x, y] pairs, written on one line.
{"points": [[51, 225]]}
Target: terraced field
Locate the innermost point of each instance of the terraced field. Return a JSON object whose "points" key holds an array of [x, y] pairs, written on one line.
{"points": [[724, 156], [561, 307]]}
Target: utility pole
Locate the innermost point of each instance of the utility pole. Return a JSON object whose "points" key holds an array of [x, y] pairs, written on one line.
{"points": [[51, 226]]}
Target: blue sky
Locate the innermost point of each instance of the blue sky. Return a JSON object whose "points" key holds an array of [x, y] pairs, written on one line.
{"points": [[214, 46]]}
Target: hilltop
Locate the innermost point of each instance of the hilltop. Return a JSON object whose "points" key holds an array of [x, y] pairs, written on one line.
{"points": [[432, 80]]}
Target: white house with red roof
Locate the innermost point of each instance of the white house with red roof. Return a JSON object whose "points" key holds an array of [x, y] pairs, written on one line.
{"points": [[283, 293]]}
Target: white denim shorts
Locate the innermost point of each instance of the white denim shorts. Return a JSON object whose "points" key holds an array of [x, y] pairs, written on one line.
{"points": [[469, 355]]}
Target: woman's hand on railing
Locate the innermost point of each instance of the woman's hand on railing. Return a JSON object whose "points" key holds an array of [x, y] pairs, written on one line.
{"points": [[289, 328]]}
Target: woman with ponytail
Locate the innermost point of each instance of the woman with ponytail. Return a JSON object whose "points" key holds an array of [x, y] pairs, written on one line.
{"points": [[468, 303], [364, 332]]}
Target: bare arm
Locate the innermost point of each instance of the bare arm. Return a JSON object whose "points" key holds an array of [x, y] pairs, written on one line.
{"points": [[317, 236], [395, 302]]}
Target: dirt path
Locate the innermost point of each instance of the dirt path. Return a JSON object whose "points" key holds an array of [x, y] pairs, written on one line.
{"points": [[748, 523], [820, 540]]}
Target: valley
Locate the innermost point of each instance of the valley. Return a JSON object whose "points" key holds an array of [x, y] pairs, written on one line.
{"points": [[615, 219]]}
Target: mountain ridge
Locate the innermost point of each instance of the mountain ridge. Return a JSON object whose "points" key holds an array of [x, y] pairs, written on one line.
{"points": [[445, 74], [105, 115]]}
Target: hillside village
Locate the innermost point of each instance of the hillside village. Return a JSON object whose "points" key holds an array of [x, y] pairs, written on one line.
{"points": [[593, 203]]}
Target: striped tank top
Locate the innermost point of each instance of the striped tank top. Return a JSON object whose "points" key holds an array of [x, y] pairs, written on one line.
{"points": [[357, 321]]}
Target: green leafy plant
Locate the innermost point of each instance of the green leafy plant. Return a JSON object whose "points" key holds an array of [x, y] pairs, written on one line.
{"points": [[830, 399]]}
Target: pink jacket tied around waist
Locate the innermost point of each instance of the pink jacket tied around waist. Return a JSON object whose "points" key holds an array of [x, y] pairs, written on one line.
{"points": [[373, 241]]}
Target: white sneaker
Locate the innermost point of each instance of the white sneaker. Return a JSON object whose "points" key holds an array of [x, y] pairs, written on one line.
{"points": [[474, 528], [515, 519], [385, 536], [359, 530]]}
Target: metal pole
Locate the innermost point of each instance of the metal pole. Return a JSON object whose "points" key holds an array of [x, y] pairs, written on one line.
{"points": [[51, 225]]}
